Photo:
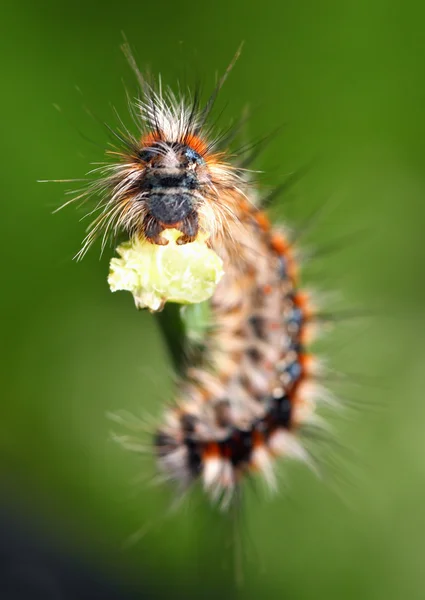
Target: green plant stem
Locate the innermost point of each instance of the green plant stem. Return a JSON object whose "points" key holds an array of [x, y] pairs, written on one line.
{"points": [[174, 333]]}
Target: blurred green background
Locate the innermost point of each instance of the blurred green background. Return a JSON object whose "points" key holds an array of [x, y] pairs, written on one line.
{"points": [[346, 82]]}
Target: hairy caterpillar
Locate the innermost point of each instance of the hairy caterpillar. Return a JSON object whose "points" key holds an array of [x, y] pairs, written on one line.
{"points": [[245, 399]]}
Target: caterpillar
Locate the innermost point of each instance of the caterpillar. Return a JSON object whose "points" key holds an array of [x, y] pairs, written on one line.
{"points": [[246, 398]]}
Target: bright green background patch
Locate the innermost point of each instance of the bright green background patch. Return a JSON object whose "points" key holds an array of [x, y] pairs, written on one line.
{"points": [[344, 82]]}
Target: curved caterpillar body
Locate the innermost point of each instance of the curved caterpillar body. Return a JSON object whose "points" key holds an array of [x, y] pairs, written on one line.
{"points": [[243, 404]]}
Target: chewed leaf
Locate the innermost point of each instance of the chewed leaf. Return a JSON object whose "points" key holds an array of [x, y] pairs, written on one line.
{"points": [[155, 274]]}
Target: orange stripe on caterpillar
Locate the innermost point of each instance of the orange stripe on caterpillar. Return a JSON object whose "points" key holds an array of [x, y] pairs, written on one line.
{"points": [[196, 143], [262, 220], [150, 138]]}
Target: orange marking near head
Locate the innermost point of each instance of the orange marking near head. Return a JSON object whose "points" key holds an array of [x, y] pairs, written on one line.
{"points": [[262, 221], [150, 138], [196, 143], [244, 205]]}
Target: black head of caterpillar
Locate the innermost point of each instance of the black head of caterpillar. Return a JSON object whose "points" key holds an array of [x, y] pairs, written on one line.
{"points": [[167, 175], [174, 182]]}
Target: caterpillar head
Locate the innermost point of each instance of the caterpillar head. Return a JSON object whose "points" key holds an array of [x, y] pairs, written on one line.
{"points": [[174, 183], [166, 176]]}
